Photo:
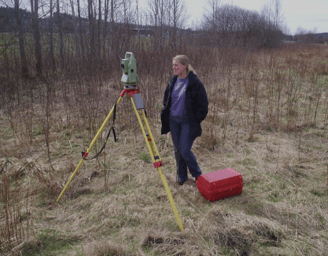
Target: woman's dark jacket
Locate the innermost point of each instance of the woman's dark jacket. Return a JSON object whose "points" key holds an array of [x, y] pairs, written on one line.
{"points": [[196, 104]]}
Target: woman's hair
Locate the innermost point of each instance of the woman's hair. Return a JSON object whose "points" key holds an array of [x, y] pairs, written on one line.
{"points": [[183, 59]]}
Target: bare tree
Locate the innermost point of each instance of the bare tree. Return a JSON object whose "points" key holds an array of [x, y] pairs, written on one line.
{"points": [[139, 22], [80, 31], [211, 12], [111, 13], [60, 32], [99, 30], [71, 2], [37, 36], [113, 7], [277, 16], [106, 13], [127, 12], [154, 6], [177, 13], [272, 15], [24, 68], [158, 10], [91, 33], [51, 54]]}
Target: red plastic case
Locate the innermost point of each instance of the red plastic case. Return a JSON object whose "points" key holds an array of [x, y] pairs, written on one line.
{"points": [[220, 184]]}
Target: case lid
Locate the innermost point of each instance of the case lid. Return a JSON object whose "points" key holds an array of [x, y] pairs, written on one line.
{"points": [[220, 179]]}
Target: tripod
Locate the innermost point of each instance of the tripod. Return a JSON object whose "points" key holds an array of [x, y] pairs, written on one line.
{"points": [[137, 104]]}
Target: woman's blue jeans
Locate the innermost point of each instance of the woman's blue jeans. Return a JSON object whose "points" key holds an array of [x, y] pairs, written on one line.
{"points": [[182, 141]]}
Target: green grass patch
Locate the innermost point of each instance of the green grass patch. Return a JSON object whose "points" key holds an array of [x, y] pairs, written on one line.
{"points": [[248, 162], [49, 242], [144, 157]]}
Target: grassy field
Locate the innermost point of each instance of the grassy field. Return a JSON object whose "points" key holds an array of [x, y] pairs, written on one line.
{"points": [[267, 120]]}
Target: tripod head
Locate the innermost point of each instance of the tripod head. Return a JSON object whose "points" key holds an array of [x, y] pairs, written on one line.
{"points": [[129, 69]]}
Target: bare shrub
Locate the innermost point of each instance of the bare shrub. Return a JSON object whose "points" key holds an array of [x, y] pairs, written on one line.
{"points": [[15, 218]]}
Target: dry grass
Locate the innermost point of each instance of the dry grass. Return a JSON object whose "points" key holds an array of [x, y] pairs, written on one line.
{"points": [[262, 123]]}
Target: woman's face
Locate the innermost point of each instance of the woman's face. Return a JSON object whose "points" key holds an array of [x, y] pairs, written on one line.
{"points": [[179, 69]]}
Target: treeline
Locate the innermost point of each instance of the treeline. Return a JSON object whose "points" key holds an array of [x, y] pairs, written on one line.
{"points": [[310, 38], [88, 40], [233, 26], [75, 40]]}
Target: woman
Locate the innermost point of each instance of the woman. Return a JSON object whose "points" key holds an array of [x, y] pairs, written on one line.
{"points": [[185, 107]]}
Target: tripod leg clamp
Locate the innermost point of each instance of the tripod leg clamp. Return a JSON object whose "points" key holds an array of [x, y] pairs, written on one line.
{"points": [[84, 154], [158, 164]]}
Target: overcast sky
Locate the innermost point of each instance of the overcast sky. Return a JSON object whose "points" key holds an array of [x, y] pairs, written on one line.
{"points": [[308, 14]]}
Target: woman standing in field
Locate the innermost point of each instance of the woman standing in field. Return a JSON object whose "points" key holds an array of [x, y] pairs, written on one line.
{"points": [[185, 107]]}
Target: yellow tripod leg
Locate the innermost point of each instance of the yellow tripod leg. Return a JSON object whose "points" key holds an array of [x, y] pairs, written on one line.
{"points": [[143, 130], [150, 133], [167, 189], [90, 147], [169, 195], [151, 148]]}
